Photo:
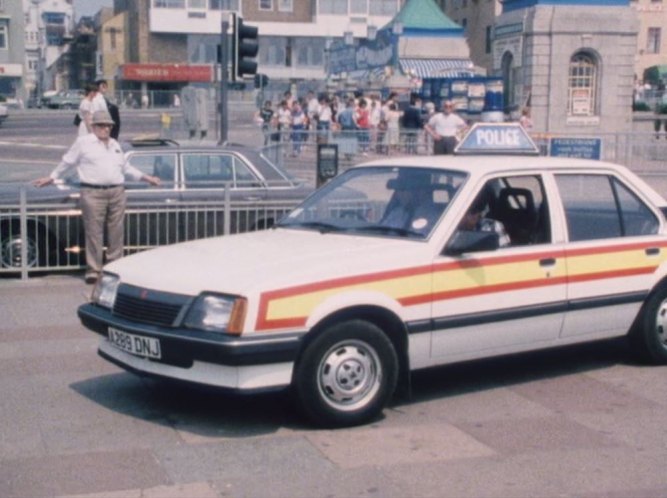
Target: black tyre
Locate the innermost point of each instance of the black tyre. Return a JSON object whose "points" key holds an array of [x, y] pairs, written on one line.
{"points": [[649, 334], [346, 375]]}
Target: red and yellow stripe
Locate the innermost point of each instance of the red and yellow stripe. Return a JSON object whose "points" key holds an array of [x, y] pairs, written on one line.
{"points": [[290, 307]]}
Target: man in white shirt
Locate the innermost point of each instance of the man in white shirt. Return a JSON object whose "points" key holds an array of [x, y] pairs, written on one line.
{"points": [[101, 166], [445, 127]]}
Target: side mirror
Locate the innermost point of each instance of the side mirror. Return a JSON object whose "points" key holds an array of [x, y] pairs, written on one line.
{"points": [[465, 241]]}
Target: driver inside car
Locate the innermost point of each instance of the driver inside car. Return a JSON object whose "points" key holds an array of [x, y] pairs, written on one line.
{"points": [[412, 207], [474, 220]]}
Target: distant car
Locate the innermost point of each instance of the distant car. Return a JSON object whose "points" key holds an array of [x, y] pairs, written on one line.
{"points": [[186, 206], [489, 255], [4, 113], [69, 99]]}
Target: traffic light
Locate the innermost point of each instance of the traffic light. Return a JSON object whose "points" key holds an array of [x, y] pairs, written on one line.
{"points": [[244, 48]]}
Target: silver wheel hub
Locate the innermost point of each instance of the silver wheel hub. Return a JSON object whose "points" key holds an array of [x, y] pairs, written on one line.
{"points": [[11, 252], [349, 375]]}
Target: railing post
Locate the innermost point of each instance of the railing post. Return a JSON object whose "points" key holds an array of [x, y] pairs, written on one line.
{"points": [[227, 217], [23, 230]]}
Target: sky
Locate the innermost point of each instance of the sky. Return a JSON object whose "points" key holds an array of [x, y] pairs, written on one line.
{"points": [[90, 7]]}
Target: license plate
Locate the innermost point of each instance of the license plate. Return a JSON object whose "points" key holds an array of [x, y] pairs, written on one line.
{"points": [[147, 347]]}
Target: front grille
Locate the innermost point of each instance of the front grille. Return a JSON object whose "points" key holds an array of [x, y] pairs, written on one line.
{"points": [[148, 306]]}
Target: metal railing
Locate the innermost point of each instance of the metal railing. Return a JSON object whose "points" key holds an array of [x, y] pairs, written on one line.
{"points": [[48, 236]]}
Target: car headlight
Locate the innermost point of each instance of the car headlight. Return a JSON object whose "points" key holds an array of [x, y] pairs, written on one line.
{"points": [[216, 313], [104, 293]]}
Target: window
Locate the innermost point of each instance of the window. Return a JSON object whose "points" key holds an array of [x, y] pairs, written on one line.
{"points": [[285, 5], [3, 38], [163, 165], [359, 7], [382, 7], [582, 85], [265, 4], [232, 5], [333, 6], [653, 41], [600, 207], [216, 170], [196, 4], [514, 208], [170, 4]]}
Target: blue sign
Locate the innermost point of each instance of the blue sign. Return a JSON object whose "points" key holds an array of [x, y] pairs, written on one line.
{"points": [[365, 55], [497, 138], [584, 148]]}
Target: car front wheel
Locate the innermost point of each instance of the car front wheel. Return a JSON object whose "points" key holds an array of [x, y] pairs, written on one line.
{"points": [[346, 375], [649, 334]]}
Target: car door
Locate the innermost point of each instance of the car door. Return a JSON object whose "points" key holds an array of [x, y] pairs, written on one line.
{"points": [[492, 300], [612, 252], [210, 180], [152, 214]]}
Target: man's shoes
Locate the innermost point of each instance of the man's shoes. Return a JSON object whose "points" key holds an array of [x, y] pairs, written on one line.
{"points": [[91, 279]]}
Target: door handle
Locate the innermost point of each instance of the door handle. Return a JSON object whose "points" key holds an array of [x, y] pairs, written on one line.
{"points": [[548, 262], [652, 251]]}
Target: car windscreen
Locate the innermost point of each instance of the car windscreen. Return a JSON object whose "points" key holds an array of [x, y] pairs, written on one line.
{"points": [[384, 200]]}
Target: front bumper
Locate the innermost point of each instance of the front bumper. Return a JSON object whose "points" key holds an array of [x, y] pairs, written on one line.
{"points": [[236, 363]]}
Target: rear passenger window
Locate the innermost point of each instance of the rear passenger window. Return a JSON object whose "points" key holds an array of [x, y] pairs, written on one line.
{"points": [[600, 207]]}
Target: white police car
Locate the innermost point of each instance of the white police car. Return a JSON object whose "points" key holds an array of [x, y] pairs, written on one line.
{"points": [[397, 265]]}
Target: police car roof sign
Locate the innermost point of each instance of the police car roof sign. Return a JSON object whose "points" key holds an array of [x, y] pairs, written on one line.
{"points": [[497, 138]]}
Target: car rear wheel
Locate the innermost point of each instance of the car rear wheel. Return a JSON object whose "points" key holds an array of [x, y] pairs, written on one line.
{"points": [[346, 375], [649, 334], [11, 244]]}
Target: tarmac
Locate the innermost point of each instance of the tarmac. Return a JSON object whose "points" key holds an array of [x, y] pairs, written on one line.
{"points": [[584, 422]]}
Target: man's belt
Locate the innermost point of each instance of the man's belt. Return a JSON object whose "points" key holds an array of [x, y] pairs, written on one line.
{"points": [[99, 187]]}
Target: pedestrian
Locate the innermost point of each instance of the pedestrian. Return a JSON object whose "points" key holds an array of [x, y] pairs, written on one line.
{"points": [[661, 112], [526, 121], [313, 106], [347, 119], [284, 120], [324, 116], [411, 124], [144, 101], [265, 117], [299, 123], [364, 125], [85, 113], [102, 103], [445, 127], [101, 166], [393, 118]]}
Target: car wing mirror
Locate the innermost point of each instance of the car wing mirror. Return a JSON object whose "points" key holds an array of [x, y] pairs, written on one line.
{"points": [[465, 241]]}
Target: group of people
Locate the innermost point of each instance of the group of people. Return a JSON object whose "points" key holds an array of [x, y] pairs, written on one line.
{"points": [[101, 166], [364, 123]]}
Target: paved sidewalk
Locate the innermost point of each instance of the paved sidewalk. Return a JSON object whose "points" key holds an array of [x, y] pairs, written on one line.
{"points": [[578, 422]]}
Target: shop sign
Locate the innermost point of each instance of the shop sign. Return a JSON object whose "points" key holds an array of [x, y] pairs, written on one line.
{"points": [[167, 72]]}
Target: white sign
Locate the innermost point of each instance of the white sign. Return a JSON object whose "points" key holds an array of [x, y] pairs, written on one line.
{"points": [[11, 70]]}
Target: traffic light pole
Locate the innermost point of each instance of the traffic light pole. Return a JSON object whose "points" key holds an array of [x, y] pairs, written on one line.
{"points": [[224, 62]]}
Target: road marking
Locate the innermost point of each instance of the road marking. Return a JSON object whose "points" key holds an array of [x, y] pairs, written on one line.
{"points": [[40, 146]]}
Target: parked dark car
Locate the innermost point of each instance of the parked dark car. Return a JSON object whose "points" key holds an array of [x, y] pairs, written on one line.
{"points": [[198, 182]]}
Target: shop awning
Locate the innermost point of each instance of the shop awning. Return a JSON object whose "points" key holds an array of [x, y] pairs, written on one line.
{"points": [[437, 68]]}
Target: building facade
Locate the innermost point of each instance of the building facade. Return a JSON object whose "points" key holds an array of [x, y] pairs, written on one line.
{"points": [[12, 50], [573, 62], [652, 39]]}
